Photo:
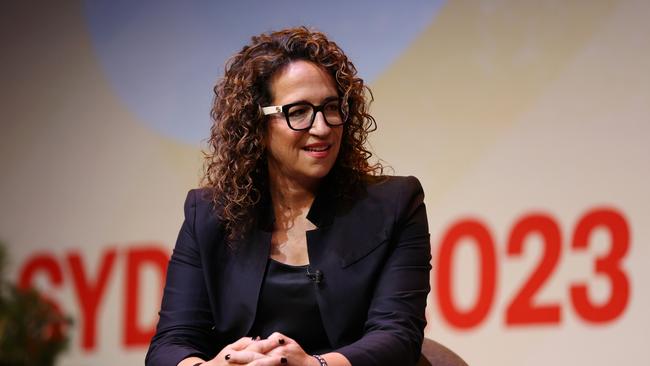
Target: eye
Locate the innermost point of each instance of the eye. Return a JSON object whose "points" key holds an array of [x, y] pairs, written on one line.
{"points": [[332, 107], [299, 111]]}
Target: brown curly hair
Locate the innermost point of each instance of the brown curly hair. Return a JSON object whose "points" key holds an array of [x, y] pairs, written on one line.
{"points": [[235, 168]]}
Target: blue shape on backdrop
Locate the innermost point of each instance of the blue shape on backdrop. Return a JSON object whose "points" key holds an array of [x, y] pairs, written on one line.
{"points": [[163, 57]]}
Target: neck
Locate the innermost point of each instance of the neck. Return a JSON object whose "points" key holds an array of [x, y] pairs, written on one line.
{"points": [[290, 199], [289, 194]]}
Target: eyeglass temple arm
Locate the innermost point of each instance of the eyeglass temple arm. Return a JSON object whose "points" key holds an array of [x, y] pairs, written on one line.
{"points": [[272, 109]]}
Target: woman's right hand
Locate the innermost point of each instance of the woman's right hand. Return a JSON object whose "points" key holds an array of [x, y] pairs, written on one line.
{"points": [[248, 351]]}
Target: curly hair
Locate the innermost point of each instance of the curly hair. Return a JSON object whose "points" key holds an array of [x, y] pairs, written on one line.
{"points": [[235, 168]]}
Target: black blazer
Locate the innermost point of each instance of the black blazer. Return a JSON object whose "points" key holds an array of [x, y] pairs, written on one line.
{"points": [[373, 252]]}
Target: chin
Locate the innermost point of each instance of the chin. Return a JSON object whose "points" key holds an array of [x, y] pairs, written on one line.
{"points": [[318, 172]]}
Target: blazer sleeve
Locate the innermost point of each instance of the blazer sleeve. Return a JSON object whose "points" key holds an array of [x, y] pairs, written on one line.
{"points": [[185, 324], [394, 329]]}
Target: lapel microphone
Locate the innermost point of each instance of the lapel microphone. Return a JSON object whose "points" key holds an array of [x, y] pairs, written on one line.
{"points": [[315, 276]]}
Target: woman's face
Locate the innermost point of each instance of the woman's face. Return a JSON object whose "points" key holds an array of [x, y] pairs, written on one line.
{"points": [[303, 157]]}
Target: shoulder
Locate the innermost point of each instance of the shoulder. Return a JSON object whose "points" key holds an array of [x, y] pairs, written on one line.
{"points": [[200, 199], [202, 224], [385, 197], [200, 209], [391, 184], [394, 189]]}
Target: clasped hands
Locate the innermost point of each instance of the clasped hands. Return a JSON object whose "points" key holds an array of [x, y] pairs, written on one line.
{"points": [[277, 349]]}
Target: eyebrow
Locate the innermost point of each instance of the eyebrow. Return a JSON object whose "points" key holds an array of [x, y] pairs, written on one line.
{"points": [[328, 99]]}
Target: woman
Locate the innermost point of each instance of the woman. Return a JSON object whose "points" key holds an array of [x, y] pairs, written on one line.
{"points": [[295, 251]]}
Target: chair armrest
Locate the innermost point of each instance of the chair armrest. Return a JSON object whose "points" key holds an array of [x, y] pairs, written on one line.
{"points": [[435, 354]]}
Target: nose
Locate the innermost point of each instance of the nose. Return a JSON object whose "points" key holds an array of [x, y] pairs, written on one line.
{"points": [[320, 127]]}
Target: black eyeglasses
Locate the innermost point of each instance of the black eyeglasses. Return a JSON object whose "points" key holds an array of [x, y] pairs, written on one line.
{"points": [[300, 116]]}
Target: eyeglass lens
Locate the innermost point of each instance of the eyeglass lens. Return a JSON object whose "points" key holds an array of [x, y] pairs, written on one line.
{"points": [[301, 116]]}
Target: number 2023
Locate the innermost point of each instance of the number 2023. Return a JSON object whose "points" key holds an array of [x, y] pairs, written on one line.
{"points": [[521, 310]]}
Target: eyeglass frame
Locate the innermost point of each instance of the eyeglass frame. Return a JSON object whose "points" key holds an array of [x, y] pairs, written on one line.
{"points": [[284, 109]]}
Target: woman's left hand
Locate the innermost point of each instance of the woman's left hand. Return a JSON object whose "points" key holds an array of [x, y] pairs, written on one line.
{"points": [[291, 351]]}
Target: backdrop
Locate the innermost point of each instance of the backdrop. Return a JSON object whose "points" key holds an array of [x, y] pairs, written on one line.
{"points": [[527, 123]]}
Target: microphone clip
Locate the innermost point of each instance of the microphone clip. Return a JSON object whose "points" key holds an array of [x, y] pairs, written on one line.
{"points": [[315, 276]]}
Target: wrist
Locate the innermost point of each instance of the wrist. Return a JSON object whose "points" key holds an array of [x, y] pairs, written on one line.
{"points": [[320, 361]]}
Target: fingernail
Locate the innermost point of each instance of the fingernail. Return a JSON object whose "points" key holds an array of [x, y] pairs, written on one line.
{"points": [[283, 360], [258, 338], [227, 357], [281, 340]]}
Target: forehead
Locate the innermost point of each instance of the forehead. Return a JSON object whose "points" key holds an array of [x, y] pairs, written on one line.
{"points": [[301, 81]]}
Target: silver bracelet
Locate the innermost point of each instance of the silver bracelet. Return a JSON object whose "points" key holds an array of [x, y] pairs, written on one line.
{"points": [[320, 360]]}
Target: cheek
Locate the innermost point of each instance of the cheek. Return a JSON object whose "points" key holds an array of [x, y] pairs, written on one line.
{"points": [[282, 142], [339, 138], [342, 145]]}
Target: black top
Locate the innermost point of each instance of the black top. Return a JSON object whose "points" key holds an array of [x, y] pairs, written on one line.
{"points": [[288, 304]]}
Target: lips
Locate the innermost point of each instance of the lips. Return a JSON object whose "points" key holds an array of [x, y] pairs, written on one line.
{"points": [[319, 148], [318, 151]]}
